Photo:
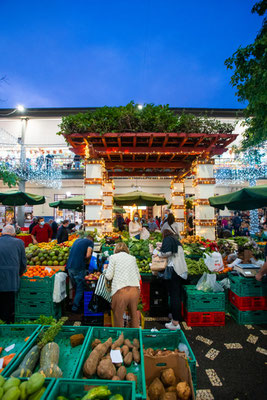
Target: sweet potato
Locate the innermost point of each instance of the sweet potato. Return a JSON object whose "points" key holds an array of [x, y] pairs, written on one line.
{"points": [[171, 389], [131, 377], [125, 350], [183, 391], [169, 396], [121, 373], [95, 343], [128, 343], [90, 365], [136, 343], [136, 355], [106, 369], [76, 340], [168, 377], [128, 359], [149, 352], [118, 342], [115, 378], [156, 390]]}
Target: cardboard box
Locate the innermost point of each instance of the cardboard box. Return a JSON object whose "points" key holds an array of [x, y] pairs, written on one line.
{"points": [[154, 366]]}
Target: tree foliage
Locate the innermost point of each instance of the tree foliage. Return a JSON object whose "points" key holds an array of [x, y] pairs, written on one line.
{"points": [[151, 118], [8, 177], [250, 79]]}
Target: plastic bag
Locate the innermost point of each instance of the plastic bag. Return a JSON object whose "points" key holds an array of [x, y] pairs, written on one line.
{"points": [[207, 283], [93, 263], [225, 283], [60, 292], [214, 262], [144, 234]]}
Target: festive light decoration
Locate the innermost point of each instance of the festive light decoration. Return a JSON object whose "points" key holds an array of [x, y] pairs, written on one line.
{"points": [[107, 194], [203, 181], [93, 222], [177, 207], [93, 181], [92, 202], [107, 207], [201, 202], [205, 222], [175, 194]]}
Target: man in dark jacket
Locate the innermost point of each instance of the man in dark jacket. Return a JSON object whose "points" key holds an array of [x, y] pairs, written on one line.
{"points": [[34, 222], [12, 265], [54, 227], [62, 233]]}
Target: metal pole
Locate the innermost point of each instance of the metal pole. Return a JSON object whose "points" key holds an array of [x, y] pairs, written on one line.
{"points": [[21, 209]]}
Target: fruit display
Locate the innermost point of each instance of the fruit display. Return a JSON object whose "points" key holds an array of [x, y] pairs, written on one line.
{"points": [[92, 277], [39, 271], [47, 254], [144, 265], [14, 388]]}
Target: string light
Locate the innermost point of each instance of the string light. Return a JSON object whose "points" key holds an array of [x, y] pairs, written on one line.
{"points": [[92, 202], [203, 181], [205, 222], [201, 202], [93, 181]]}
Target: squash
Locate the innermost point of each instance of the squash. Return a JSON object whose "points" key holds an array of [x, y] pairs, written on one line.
{"points": [[12, 394], [11, 382], [49, 354], [31, 359], [2, 380], [21, 373], [23, 391], [35, 382], [51, 371], [1, 392], [37, 395]]}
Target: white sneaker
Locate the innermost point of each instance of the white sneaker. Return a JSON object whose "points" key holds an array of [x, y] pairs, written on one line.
{"points": [[172, 327]]}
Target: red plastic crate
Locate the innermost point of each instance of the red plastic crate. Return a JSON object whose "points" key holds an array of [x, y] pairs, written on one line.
{"points": [[248, 303], [213, 318], [145, 295]]}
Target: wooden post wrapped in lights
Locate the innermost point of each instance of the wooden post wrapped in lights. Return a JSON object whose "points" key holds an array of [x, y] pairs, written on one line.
{"points": [[108, 187], [93, 195], [178, 203], [204, 184]]}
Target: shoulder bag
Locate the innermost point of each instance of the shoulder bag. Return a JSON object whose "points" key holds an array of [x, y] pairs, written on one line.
{"points": [[103, 288]]}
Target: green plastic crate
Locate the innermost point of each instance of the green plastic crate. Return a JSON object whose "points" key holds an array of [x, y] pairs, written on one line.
{"points": [[68, 356], [244, 287], [170, 340], [247, 317], [199, 301], [109, 249], [16, 334], [77, 388], [129, 333], [45, 284], [26, 307], [30, 294]]}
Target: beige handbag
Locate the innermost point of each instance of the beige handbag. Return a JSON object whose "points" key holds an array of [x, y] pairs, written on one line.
{"points": [[159, 263]]}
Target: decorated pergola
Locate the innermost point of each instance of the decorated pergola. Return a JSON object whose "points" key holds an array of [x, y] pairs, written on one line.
{"points": [[148, 154]]}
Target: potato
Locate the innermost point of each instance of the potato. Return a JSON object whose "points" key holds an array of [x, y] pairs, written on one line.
{"points": [[136, 343], [171, 389], [149, 352], [125, 350], [118, 342], [183, 391], [121, 373], [169, 396], [95, 343], [128, 359], [128, 343], [168, 377], [131, 377], [136, 355], [156, 390], [115, 378], [106, 369]]}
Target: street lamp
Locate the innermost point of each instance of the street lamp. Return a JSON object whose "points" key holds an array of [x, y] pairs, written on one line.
{"points": [[20, 108]]}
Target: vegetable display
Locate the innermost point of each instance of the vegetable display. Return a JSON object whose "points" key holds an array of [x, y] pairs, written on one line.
{"points": [[14, 389], [99, 360], [97, 393], [47, 254]]}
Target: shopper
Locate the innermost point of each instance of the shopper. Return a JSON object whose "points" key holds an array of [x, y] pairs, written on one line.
{"points": [[119, 222], [77, 161], [135, 227], [62, 233], [33, 224], [80, 252], [166, 213], [12, 265], [177, 271], [152, 226], [171, 225], [54, 227], [224, 223], [236, 223], [190, 223], [42, 232], [125, 288]]}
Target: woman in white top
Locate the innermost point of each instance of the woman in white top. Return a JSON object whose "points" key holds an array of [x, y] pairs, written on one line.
{"points": [[135, 227], [125, 287]]}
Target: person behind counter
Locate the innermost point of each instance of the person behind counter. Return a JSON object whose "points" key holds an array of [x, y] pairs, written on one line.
{"points": [[135, 227]]}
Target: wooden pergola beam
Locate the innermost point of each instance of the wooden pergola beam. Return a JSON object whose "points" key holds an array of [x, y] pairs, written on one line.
{"points": [[133, 174], [148, 164]]}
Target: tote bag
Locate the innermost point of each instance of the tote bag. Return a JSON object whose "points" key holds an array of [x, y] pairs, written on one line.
{"points": [[102, 288], [158, 263]]}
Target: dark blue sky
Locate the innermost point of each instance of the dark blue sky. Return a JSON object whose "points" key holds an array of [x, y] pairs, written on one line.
{"points": [[65, 53]]}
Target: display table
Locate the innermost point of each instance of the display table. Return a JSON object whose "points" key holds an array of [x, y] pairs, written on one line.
{"points": [[27, 239]]}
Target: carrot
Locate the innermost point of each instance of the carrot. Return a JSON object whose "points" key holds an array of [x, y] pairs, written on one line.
{"points": [[25, 340], [8, 358], [1, 349]]}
